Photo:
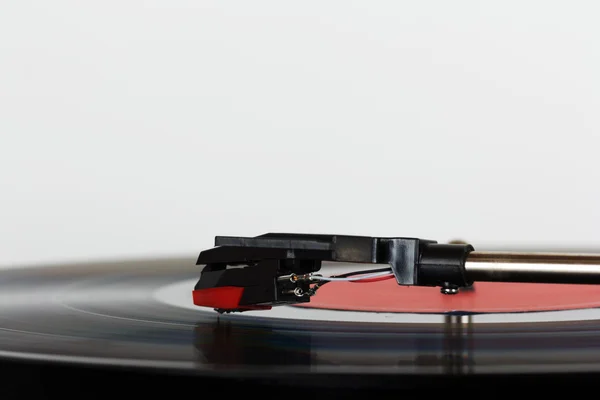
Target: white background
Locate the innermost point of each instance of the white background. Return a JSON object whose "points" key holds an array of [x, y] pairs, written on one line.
{"points": [[142, 128]]}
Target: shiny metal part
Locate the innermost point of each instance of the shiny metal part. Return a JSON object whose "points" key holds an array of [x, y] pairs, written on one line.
{"points": [[533, 267], [295, 278], [448, 289]]}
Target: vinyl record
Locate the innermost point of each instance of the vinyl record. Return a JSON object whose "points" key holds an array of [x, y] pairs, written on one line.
{"points": [[139, 314]]}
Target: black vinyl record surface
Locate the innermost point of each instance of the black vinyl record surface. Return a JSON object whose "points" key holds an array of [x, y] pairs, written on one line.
{"points": [[137, 316]]}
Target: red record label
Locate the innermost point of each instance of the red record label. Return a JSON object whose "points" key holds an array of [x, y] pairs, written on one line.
{"points": [[485, 297]]}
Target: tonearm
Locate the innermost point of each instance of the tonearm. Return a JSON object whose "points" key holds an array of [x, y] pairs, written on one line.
{"points": [[257, 273]]}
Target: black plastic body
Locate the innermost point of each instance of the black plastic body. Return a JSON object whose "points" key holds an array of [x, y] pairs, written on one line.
{"points": [[259, 280]]}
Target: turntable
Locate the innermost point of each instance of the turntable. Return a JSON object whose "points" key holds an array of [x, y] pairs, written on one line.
{"points": [[304, 315]]}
